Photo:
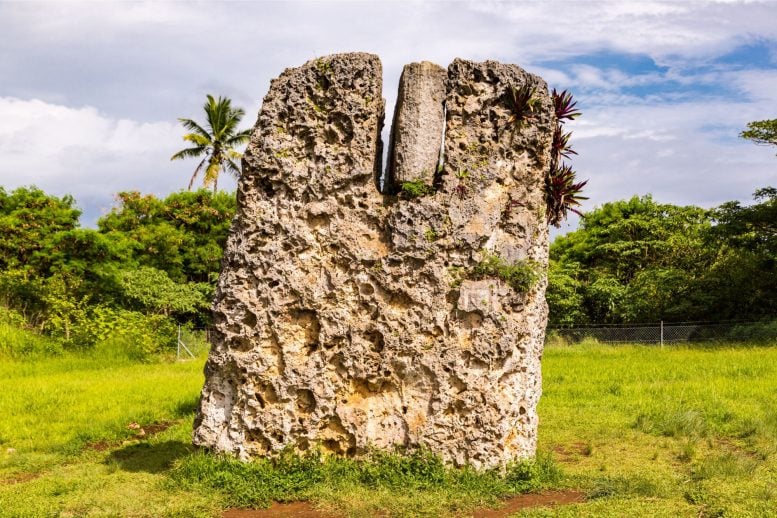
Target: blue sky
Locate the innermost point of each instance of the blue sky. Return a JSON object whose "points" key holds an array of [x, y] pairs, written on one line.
{"points": [[90, 92]]}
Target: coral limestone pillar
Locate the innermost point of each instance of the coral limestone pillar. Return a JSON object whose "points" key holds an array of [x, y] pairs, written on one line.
{"points": [[346, 319]]}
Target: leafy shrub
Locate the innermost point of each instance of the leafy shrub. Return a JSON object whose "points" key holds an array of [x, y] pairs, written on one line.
{"points": [[562, 192], [11, 317], [23, 292], [761, 332], [522, 105], [140, 336], [152, 290]]}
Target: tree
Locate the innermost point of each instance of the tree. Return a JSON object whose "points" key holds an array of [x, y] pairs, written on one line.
{"points": [[28, 219], [217, 143], [761, 132], [631, 261], [183, 234], [744, 276], [637, 260]]}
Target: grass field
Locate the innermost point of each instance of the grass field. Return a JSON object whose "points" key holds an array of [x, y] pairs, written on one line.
{"points": [[683, 431]]}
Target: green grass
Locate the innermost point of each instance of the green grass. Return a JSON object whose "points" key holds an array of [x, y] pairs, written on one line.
{"points": [[681, 431], [16, 342], [690, 431], [416, 483], [65, 445]]}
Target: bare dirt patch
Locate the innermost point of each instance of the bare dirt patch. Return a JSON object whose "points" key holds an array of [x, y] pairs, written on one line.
{"points": [[101, 445], [20, 478], [292, 510], [511, 505], [529, 500], [155, 428], [572, 452], [146, 431]]}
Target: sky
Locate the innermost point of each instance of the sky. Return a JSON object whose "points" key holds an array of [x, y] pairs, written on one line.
{"points": [[90, 92]]}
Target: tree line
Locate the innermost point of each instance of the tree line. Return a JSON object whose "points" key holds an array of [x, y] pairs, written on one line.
{"points": [[638, 260], [150, 264]]}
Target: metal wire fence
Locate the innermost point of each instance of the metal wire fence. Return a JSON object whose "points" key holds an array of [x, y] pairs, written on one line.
{"points": [[195, 341], [668, 333], [192, 342]]}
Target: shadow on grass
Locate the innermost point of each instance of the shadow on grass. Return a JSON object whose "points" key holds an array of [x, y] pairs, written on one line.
{"points": [[187, 407], [151, 458]]}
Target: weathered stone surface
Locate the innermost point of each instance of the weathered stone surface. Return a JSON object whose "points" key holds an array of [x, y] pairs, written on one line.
{"points": [[349, 319], [416, 133]]}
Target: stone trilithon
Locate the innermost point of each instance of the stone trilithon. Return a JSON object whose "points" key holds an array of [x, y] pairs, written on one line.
{"points": [[348, 319]]}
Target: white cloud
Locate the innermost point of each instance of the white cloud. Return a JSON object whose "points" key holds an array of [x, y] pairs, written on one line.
{"points": [[79, 150], [685, 153], [666, 31], [86, 85]]}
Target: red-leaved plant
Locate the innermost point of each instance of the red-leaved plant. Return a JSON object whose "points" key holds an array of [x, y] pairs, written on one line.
{"points": [[561, 146], [562, 192], [564, 105]]}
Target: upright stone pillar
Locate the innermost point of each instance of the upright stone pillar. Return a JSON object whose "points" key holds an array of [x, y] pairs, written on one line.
{"points": [[417, 130], [345, 319]]}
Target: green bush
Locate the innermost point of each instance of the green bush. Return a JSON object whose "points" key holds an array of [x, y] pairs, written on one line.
{"points": [[11, 317], [18, 340], [152, 290], [122, 331], [761, 332], [139, 336]]}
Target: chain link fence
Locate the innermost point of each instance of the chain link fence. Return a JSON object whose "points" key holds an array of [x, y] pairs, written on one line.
{"points": [[196, 341], [668, 333]]}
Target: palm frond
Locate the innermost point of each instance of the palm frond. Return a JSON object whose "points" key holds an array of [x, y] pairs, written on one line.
{"points": [[196, 172], [192, 152], [218, 138], [192, 126], [212, 171], [233, 169], [239, 139], [198, 139]]}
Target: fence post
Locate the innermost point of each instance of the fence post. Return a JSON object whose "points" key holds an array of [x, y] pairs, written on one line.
{"points": [[178, 345], [662, 334]]}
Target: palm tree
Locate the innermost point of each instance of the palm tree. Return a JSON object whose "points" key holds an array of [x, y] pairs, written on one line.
{"points": [[217, 143]]}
